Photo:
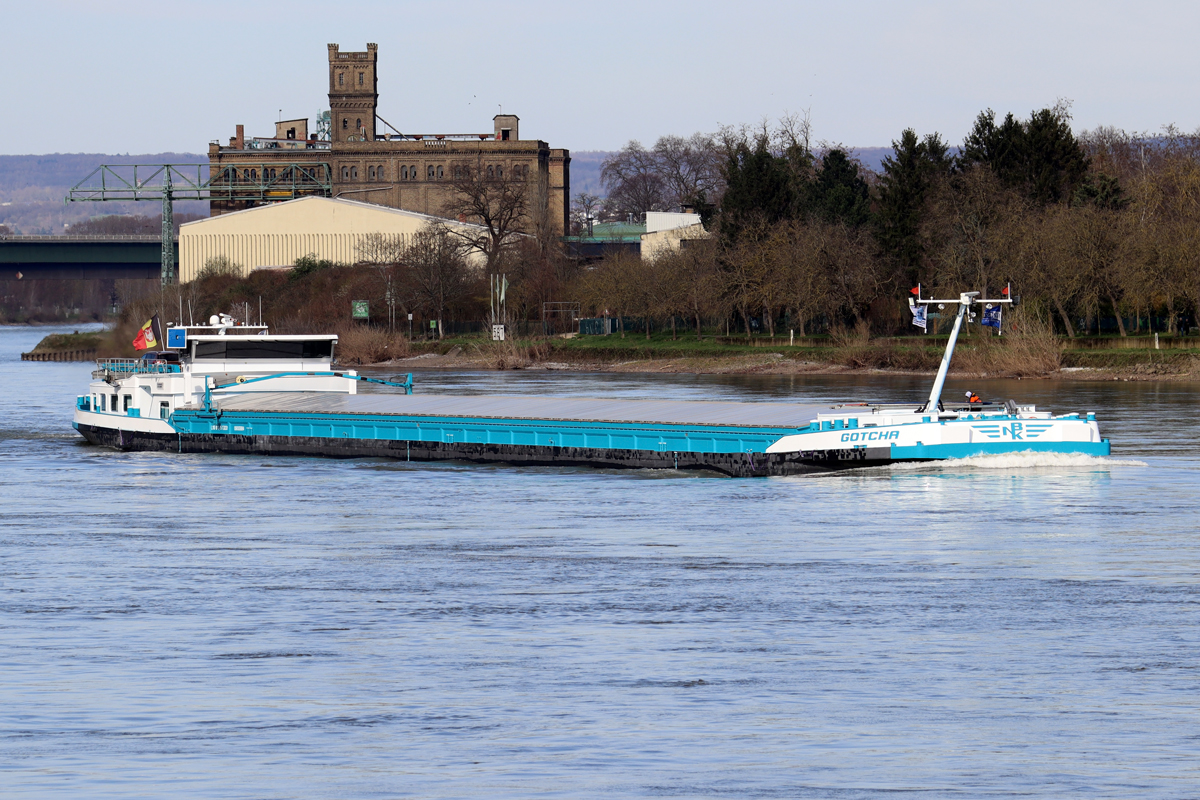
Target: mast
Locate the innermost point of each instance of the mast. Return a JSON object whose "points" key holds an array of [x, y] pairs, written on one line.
{"points": [[964, 302]]}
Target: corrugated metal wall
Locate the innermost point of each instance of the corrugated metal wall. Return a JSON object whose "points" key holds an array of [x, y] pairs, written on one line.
{"points": [[252, 250]]}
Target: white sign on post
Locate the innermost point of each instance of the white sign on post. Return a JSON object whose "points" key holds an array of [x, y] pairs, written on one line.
{"points": [[497, 333]]}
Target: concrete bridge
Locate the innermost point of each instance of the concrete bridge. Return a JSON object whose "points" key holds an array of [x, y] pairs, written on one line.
{"points": [[81, 257]]}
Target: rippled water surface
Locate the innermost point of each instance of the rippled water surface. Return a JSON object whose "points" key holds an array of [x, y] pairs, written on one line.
{"points": [[210, 626]]}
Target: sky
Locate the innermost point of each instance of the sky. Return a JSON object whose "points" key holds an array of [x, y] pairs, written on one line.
{"points": [[171, 76]]}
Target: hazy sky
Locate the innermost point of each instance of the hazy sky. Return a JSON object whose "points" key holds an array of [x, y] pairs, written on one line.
{"points": [[171, 75]]}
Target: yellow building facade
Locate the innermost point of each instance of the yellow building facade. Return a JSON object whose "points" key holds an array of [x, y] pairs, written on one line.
{"points": [[277, 234]]}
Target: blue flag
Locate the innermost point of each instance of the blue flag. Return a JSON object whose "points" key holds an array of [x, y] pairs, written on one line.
{"points": [[991, 316], [919, 313]]}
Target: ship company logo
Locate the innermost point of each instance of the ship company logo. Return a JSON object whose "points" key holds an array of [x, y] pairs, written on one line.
{"points": [[1015, 431], [870, 436]]}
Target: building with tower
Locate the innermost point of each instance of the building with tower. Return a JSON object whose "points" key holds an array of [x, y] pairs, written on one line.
{"points": [[363, 157]]}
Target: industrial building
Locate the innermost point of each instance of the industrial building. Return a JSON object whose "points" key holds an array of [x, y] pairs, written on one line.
{"points": [[403, 170], [276, 234]]}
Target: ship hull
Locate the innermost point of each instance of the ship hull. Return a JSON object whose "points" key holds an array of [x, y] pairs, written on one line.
{"points": [[741, 465]]}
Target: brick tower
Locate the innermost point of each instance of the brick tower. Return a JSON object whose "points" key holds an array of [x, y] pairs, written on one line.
{"points": [[353, 94]]}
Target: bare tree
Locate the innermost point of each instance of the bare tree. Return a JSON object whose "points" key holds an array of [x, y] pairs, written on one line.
{"points": [[436, 269], [634, 183], [583, 211], [690, 167], [384, 253], [493, 196]]}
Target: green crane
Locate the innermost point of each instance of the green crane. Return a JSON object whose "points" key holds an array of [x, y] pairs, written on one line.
{"points": [[165, 183]]}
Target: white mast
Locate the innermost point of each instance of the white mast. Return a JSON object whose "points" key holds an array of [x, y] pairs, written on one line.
{"points": [[964, 303]]}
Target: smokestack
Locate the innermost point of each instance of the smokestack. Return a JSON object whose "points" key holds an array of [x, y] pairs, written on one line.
{"points": [[241, 137]]}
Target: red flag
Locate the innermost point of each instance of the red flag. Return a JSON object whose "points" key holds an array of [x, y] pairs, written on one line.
{"points": [[1004, 290], [147, 338], [916, 291]]}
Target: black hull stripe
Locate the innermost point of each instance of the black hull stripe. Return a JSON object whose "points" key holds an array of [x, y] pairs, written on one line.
{"points": [[738, 465]]}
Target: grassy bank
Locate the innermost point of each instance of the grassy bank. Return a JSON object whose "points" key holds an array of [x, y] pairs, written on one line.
{"points": [[1034, 354]]}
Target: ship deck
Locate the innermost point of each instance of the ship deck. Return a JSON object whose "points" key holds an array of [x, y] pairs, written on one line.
{"points": [[559, 409]]}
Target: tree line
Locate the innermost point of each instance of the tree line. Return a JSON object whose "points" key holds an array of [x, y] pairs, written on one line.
{"points": [[1097, 229]]}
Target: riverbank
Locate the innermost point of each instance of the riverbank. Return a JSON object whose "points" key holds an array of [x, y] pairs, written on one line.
{"points": [[1022, 358], [725, 359]]}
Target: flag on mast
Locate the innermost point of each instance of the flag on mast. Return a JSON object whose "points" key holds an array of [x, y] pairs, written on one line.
{"points": [[149, 335], [919, 316]]}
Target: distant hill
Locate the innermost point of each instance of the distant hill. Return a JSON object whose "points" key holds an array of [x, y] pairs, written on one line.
{"points": [[33, 188]]}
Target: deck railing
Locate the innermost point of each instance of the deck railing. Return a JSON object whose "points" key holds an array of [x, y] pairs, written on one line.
{"points": [[132, 366]]}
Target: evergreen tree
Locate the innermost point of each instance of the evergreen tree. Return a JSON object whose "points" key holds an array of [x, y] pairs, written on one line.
{"points": [[903, 190], [1040, 157], [839, 194], [1102, 191], [1054, 161], [760, 187]]}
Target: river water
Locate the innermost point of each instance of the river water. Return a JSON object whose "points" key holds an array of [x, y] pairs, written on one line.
{"points": [[211, 626]]}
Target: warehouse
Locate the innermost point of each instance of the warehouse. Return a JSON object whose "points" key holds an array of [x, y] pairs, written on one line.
{"points": [[276, 235]]}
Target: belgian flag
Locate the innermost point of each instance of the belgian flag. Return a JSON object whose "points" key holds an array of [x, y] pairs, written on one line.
{"points": [[150, 335]]}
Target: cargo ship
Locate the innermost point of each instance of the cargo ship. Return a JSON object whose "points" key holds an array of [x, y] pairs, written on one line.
{"points": [[241, 390]]}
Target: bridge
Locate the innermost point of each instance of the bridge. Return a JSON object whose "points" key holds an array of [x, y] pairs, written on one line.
{"points": [[82, 257]]}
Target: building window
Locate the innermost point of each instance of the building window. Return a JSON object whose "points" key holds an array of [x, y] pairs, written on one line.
{"points": [[358, 124], [345, 123], [345, 173], [491, 172], [505, 133], [340, 76], [379, 171], [360, 79], [254, 175], [499, 172], [412, 172], [440, 174], [404, 173], [429, 172], [370, 173], [354, 173]]}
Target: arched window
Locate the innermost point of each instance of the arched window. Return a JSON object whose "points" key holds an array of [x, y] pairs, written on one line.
{"points": [[254, 175], [491, 172], [404, 173], [499, 172], [379, 171], [429, 172], [345, 123], [358, 124], [412, 172], [345, 173], [439, 172], [354, 173], [370, 173]]}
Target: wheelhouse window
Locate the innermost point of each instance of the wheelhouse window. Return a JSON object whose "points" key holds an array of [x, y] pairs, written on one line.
{"points": [[125, 403], [293, 348], [164, 410]]}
